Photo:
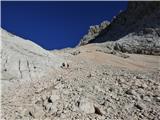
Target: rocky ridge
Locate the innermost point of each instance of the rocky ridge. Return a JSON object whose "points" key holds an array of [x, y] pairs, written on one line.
{"points": [[135, 30]]}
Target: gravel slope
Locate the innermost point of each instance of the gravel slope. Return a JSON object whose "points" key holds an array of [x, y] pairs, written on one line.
{"points": [[95, 86]]}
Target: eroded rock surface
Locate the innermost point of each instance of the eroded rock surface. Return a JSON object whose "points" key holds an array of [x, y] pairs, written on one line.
{"points": [[93, 32], [23, 59]]}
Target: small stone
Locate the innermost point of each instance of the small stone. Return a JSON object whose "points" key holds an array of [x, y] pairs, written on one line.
{"points": [[86, 106], [59, 78], [144, 85], [43, 97], [53, 98], [140, 106], [59, 86], [157, 99], [36, 112], [140, 77], [90, 75], [48, 107], [65, 65], [53, 108], [147, 98], [130, 92], [138, 83], [98, 88]]}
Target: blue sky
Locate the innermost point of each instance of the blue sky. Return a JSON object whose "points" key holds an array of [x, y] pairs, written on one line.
{"points": [[56, 25]]}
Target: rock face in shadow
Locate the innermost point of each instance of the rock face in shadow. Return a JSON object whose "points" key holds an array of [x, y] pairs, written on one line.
{"points": [[135, 30]]}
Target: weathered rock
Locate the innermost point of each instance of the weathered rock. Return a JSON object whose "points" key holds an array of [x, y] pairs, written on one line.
{"points": [[93, 32], [23, 59], [147, 98], [36, 112], [86, 106], [130, 92], [54, 97], [140, 106]]}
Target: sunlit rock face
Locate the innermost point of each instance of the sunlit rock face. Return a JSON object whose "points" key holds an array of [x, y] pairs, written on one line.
{"points": [[135, 30], [23, 59], [93, 32]]}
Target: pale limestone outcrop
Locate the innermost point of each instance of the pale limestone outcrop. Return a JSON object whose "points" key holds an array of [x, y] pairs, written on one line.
{"points": [[23, 59]]}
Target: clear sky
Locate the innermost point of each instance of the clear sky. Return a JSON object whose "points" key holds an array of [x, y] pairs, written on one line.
{"points": [[56, 25]]}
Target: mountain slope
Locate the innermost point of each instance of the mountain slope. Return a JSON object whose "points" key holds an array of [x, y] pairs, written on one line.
{"points": [[92, 84]]}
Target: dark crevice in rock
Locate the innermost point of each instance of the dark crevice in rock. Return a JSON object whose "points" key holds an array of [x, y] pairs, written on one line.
{"points": [[19, 68], [28, 66]]}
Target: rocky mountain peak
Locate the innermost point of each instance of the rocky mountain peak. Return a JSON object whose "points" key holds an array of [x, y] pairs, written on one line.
{"points": [[135, 30]]}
